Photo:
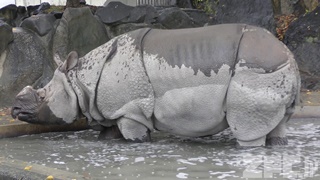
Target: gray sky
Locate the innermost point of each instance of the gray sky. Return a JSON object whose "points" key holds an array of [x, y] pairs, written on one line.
{"points": [[6, 2], [25, 2], [52, 2]]}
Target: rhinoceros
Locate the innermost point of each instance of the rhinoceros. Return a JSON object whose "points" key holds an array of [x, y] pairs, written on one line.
{"points": [[190, 82]]}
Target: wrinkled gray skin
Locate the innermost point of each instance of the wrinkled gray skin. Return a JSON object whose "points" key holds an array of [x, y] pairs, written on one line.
{"points": [[191, 82]]}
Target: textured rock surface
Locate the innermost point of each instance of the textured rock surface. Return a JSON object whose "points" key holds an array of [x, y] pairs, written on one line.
{"points": [[200, 17], [34, 10], [297, 7], [13, 15], [175, 18], [184, 4], [143, 14], [253, 12], [114, 12], [22, 64], [6, 35], [303, 39], [114, 31], [78, 30], [41, 24], [117, 13]]}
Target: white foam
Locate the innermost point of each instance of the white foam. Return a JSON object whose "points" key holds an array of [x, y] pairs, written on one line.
{"points": [[120, 158], [184, 161], [59, 162], [182, 175], [139, 159]]}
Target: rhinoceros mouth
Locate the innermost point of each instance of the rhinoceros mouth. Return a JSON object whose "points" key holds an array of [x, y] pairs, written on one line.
{"points": [[22, 115]]}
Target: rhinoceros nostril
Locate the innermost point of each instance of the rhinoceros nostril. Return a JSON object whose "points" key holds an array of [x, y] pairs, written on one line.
{"points": [[15, 111]]}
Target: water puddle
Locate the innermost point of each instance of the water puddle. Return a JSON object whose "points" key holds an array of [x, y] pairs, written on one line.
{"points": [[172, 157]]}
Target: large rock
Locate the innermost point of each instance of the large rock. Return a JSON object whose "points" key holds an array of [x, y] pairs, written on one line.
{"points": [[114, 12], [114, 31], [41, 24], [117, 13], [126, 2], [8, 14], [184, 4], [78, 30], [175, 18], [200, 17], [6, 35], [142, 14], [13, 15], [303, 39], [73, 3], [253, 12], [34, 10], [21, 64], [296, 7]]}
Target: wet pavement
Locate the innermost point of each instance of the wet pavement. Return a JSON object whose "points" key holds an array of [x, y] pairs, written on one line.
{"points": [[10, 127], [79, 155]]}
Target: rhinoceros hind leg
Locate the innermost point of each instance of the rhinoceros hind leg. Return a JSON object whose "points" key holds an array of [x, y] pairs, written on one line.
{"points": [[252, 116], [109, 133], [133, 130], [277, 136], [277, 141]]}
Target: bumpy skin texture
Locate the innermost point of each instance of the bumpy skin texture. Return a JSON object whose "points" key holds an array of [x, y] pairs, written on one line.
{"points": [[192, 82]]}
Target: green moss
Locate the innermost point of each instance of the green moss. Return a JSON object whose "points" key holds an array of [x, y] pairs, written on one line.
{"points": [[55, 9], [311, 39], [205, 5]]}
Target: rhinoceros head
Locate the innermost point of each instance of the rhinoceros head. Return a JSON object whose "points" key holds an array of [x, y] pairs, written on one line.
{"points": [[56, 103]]}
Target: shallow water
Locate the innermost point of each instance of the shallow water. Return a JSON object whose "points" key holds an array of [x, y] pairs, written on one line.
{"points": [[172, 157]]}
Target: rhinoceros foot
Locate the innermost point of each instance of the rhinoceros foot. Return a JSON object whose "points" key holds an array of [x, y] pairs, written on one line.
{"points": [[277, 141], [109, 133], [133, 131]]}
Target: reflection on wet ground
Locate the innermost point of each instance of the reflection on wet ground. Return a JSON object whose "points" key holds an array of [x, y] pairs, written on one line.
{"points": [[172, 157]]}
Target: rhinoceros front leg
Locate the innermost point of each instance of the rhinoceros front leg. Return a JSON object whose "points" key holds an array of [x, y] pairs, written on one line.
{"points": [[133, 130], [108, 133]]}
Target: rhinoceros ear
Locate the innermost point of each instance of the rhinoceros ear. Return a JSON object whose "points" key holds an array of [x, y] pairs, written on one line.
{"points": [[57, 59], [71, 61]]}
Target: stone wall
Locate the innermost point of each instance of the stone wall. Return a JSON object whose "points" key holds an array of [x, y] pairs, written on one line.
{"points": [[30, 36]]}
